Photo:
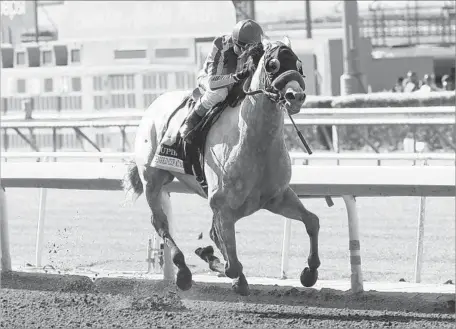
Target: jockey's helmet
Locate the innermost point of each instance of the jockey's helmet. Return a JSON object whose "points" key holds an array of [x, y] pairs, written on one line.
{"points": [[247, 32]]}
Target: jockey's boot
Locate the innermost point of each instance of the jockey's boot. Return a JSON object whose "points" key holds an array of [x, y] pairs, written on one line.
{"points": [[192, 120]]}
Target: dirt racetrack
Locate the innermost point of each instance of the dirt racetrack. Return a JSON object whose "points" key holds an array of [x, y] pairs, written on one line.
{"points": [[31, 300]]}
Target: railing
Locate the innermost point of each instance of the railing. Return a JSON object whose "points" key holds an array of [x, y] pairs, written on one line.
{"points": [[344, 181], [101, 156], [51, 124]]}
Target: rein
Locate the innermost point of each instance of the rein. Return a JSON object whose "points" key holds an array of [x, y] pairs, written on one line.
{"points": [[275, 96], [272, 93]]}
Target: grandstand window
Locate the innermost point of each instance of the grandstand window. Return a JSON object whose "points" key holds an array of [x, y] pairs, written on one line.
{"points": [[21, 86], [131, 101], [130, 81], [76, 84], [47, 57], [122, 81], [48, 85], [75, 55], [118, 101], [163, 80], [116, 82], [171, 52], [130, 54], [149, 81], [20, 58], [97, 83], [4, 105], [98, 102], [184, 80]]}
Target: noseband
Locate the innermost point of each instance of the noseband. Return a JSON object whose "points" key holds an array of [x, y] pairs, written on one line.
{"points": [[270, 90], [273, 93]]}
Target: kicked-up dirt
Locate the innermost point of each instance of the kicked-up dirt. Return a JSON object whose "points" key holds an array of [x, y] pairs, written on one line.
{"points": [[53, 301]]}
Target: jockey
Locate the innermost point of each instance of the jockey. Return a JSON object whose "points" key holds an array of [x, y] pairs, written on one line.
{"points": [[221, 63]]}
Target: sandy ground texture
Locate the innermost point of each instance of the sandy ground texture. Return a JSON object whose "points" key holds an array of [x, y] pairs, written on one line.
{"points": [[90, 230], [30, 300]]}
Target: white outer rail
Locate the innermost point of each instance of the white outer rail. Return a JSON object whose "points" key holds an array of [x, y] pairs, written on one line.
{"points": [[294, 155], [372, 111], [299, 120], [287, 222], [306, 181]]}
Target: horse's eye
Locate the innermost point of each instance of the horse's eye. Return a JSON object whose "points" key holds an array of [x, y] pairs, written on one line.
{"points": [[273, 66]]}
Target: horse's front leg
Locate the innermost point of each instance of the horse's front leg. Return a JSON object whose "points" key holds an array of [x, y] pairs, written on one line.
{"points": [[224, 221], [288, 204]]}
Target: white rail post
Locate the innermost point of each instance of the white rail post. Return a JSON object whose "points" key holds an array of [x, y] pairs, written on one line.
{"points": [[41, 223], [149, 255], [168, 267], [354, 245], [286, 242], [285, 247], [420, 240], [420, 237], [4, 237], [335, 141]]}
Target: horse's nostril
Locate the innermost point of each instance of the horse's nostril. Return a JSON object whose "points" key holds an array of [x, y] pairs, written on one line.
{"points": [[290, 95]]}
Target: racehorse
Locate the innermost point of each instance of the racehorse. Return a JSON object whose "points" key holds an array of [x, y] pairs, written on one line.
{"points": [[246, 162]]}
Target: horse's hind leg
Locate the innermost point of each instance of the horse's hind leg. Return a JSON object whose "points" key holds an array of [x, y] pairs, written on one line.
{"points": [[207, 253], [288, 204], [155, 179]]}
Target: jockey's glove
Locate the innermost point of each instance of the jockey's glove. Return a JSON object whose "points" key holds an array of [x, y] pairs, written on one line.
{"points": [[244, 74]]}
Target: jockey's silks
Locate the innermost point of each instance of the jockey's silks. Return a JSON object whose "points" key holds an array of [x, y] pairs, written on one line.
{"points": [[222, 60]]}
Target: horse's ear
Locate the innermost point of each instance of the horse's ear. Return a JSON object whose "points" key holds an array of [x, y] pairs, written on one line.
{"points": [[286, 41]]}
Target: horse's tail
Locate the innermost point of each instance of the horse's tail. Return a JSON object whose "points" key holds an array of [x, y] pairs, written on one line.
{"points": [[132, 181]]}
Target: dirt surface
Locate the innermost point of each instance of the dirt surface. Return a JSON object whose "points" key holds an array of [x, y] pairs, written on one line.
{"points": [[31, 300]]}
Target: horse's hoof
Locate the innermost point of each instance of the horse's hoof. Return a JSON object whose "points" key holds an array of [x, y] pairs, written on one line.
{"points": [[241, 286], [205, 252], [184, 278], [309, 277]]}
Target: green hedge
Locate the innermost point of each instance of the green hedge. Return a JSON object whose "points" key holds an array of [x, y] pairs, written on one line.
{"points": [[386, 99], [385, 138], [318, 102]]}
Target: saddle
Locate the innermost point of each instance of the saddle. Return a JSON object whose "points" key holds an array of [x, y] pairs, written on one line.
{"points": [[176, 155]]}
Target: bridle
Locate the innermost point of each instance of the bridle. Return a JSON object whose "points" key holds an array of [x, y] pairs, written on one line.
{"points": [[273, 93], [270, 91]]}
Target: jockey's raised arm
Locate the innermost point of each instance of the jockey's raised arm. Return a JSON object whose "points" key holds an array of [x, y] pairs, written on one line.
{"points": [[219, 69]]}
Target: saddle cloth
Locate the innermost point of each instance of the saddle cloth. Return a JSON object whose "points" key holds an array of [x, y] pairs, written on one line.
{"points": [[174, 154], [170, 154]]}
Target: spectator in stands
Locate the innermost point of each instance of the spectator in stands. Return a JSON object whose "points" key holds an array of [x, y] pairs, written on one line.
{"points": [[411, 83], [399, 86], [445, 80], [428, 84], [448, 82]]}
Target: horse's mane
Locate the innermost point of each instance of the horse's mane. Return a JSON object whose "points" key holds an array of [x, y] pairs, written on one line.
{"points": [[254, 51], [250, 57]]}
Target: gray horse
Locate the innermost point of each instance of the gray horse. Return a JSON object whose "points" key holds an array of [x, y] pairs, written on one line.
{"points": [[246, 162]]}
